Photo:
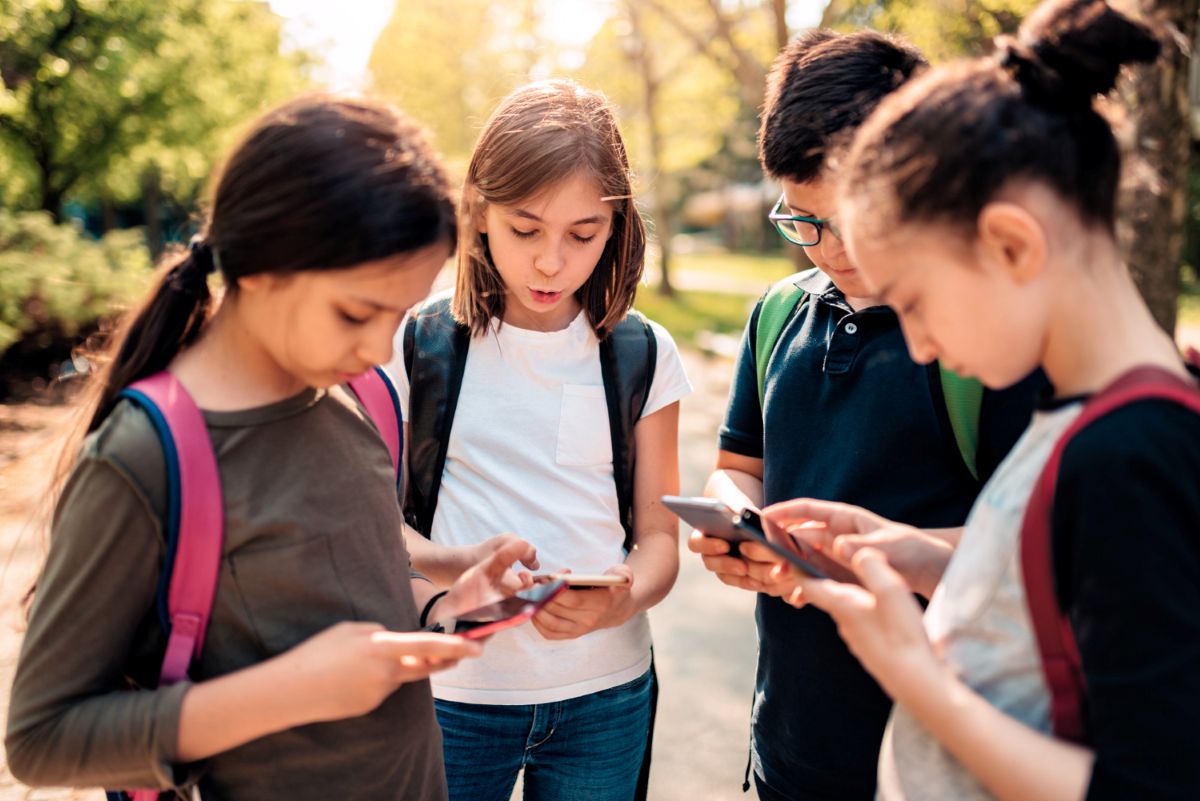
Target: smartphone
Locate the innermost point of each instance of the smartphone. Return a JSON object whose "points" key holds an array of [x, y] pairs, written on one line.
{"points": [[717, 520], [508, 612], [584, 581], [709, 515]]}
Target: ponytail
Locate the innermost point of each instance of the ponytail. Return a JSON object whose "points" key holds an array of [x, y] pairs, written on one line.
{"points": [[319, 183], [168, 321]]}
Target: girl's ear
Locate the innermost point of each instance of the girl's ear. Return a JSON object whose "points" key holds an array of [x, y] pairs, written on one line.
{"points": [[1012, 240], [257, 282], [481, 218]]}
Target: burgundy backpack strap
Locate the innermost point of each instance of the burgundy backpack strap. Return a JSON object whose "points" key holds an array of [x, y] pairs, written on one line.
{"points": [[1061, 663], [379, 399]]}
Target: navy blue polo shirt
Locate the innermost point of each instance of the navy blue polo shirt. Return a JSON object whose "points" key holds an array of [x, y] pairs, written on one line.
{"points": [[849, 417]]}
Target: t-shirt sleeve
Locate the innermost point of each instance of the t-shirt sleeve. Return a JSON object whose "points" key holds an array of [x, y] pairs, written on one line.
{"points": [[396, 369], [670, 382], [742, 431], [1003, 418], [1126, 537], [71, 721]]}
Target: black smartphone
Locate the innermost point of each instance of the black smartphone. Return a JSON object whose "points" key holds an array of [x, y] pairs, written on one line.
{"points": [[717, 520], [507, 612], [709, 515]]}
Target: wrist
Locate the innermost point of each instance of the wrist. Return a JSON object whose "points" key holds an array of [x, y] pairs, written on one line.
{"points": [[934, 567], [287, 691], [427, 614], [928, 689]]}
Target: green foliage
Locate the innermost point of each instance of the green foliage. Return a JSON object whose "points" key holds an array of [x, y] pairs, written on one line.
{"points": [[449, 62], [56, 282], [697, 99], [473, 52], [757, 270], [942, 29], [92, 92], [1189, 297], [689, 315]]}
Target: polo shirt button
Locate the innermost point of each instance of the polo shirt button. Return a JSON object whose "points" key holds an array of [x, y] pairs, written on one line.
{"points": [[851, 328]]}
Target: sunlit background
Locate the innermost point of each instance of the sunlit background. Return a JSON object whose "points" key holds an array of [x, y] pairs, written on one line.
{"points": [[113, 116]]}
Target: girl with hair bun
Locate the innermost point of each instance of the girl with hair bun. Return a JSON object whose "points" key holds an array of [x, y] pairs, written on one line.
{"points": [[979, 201]]}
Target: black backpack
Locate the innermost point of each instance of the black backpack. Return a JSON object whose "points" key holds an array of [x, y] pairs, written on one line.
{"points": [[435, 355]]}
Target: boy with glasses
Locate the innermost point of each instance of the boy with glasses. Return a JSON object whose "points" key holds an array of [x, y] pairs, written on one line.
{"points": [[826, 403]]}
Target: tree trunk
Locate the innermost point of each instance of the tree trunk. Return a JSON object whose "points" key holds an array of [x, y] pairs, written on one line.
{"points": [[782, 34], [1154, 203], [640, 54], [152, 205], [108, 215], [49, 196]]}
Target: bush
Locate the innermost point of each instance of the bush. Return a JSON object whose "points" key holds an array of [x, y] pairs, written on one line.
{"points": [[56, 282]]}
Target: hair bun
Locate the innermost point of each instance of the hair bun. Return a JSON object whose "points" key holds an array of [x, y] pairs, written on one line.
{"points": [[1083, 43], [1041, 84]]}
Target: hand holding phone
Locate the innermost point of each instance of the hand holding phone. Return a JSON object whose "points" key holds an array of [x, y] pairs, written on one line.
{"points": [[588, 608], [583, 581], [506, 613], [715, 519]]}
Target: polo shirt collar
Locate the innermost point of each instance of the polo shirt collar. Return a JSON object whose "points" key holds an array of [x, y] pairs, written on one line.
{"points": [[820, 286], [816, 283]]}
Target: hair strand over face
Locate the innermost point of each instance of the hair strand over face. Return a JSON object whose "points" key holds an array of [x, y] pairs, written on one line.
{"points": [[540, 135]]}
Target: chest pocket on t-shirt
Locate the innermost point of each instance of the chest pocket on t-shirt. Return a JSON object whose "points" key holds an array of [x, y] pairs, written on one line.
{"points": [[583, 433]]}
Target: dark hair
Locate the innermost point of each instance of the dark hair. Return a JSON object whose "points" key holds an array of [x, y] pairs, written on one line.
{"points": [[540, 134], [943, 146], [319, 183], [820, 89]]}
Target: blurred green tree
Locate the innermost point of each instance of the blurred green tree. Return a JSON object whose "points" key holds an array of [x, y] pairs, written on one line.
{"points": [[942, 29], [133, 98]]}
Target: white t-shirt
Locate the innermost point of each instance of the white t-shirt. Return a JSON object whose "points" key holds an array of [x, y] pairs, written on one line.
{"points": [[978, 621], [530, 452]]}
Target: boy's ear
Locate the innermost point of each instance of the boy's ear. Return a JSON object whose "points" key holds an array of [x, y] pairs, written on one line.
{"points": [[1012, 239]]}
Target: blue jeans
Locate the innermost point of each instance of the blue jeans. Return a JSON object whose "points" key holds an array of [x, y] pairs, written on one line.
{"points": [[583, 749]]}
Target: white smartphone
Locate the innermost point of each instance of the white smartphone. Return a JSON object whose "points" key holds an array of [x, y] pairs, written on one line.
{"points": [[584, 581]]}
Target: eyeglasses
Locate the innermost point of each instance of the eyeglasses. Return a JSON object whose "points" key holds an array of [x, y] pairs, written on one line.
{"points": [[798, 228]]}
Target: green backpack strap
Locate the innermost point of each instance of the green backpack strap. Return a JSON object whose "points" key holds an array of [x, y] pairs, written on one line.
{"points": [[964, 400], [773, 314], [963, 396]]}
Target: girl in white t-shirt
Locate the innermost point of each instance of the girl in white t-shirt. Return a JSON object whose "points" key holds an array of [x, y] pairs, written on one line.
{"points": [[552, 250]]}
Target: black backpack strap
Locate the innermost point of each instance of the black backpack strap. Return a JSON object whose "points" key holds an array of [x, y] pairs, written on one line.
{"points": [[435, 355], [627, 359]]}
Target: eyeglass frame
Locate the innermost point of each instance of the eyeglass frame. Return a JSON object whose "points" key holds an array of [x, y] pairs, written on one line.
{"points": [[821, 223]]}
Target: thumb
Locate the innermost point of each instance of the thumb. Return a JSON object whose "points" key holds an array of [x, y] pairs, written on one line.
{"points": [[845, 546], [877, 575]]}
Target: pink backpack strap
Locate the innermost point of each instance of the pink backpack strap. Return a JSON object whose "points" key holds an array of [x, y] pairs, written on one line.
{"points": [[194, 561], [378, 397], [197, 558], [1061, 663]]}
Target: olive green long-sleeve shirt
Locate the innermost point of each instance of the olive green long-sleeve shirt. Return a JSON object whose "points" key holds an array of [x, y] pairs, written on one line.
{"points": [[312, 538]]}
